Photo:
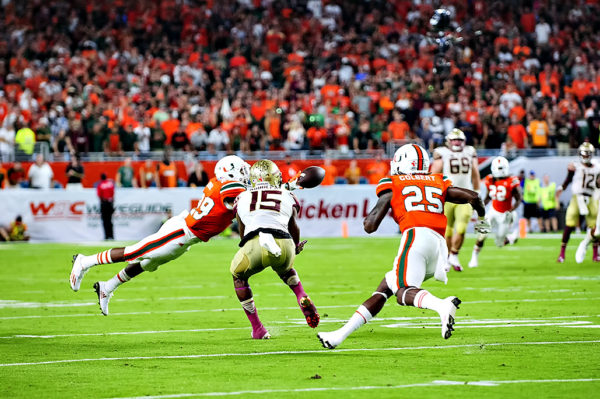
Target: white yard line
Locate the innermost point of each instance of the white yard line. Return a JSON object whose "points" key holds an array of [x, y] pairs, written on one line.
{"points": [[322, 351], [436, 383], [405, 322]]}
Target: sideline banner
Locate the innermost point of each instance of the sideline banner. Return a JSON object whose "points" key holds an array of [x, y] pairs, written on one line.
{"points": [[74, 216]]}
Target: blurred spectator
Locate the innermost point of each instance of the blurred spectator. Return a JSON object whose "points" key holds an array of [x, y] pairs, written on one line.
{"points": [[62, 144], [289, 169], [15, 175], [538, 129], [517, 133], [74, 173], [106, 193], [25, 140], [40, 173], [166, 176], [353, 173], [16, 231], [128, 139], [7, 142], [398, 127], [198, 177], [331, 173], [548, 205], [125, 175], [295, 135], [180, 140], [3, 177], [43, 134], [362, 138], [218, 139], [147, 174], [377, 169]]}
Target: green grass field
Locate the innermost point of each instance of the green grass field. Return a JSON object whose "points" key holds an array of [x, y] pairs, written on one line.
{"points": [[527, 327]]}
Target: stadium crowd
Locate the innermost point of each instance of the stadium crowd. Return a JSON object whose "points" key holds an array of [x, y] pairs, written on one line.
{"points": [[254, 75]]}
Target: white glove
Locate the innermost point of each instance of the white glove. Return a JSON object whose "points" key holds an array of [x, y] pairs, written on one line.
{"points": [[482, 226], [508, 217]]}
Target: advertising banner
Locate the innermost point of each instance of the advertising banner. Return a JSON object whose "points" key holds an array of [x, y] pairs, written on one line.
{"points": [[74, 216]]}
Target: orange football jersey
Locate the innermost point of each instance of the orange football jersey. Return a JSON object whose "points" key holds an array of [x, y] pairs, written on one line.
{"points": [[501, 191], [210, 217], [417, 200]]}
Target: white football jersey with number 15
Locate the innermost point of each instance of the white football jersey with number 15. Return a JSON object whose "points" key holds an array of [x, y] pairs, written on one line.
{"points": [[266, 208], [457, 165]]}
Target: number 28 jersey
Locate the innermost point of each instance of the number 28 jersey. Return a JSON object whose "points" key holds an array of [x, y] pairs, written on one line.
{"points": [[500, 191], [211, 216], [417, 200], [266, 209]]}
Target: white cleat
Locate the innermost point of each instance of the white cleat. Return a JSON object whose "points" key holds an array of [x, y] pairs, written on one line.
{"points": [[454, 262], [512, 238], [474, 262], [103, 296], [447, 315], [581, 251], [77, 272], [330, 340]]}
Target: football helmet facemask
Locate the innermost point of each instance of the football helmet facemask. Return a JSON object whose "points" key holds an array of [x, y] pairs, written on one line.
{"points": [[500, 167], [232, 167], [456, 139], [409, 159], [586, 151], [265, 172]]}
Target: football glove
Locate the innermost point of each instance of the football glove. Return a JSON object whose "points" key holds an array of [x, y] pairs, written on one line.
{"points": [[300, 246], [482, 226]]}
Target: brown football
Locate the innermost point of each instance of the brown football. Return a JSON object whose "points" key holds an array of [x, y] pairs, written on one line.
{"points": [[311, 177]]}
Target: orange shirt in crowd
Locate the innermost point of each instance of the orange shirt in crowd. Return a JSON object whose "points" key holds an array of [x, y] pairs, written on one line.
{"points": [[330, 175], [398, 130], [517, 134], [167, 175], [539, 133], [376, 171], [169, 126]]}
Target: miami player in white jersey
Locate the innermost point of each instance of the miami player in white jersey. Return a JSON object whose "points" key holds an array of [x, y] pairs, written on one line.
{"points": [[584, 175], [504, 191], [270, 237], [458, 162]]}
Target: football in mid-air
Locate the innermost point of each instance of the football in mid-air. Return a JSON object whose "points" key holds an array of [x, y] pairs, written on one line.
{"points": [[311, 177]]}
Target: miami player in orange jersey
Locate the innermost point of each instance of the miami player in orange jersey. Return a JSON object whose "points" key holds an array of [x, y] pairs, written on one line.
{"points": [[417, 201], [210, 217], [505, 193]]}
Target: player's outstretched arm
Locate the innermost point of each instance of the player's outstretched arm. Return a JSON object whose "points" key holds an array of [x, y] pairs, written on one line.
{"points": [[374, 218], [568, 179], [464, 196]]}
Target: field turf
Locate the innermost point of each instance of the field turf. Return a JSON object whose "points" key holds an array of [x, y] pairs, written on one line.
{"points": [[528, 327]]}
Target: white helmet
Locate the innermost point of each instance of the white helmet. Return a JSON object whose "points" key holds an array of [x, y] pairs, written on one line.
{"points": [[500, 167], [232, 167], [456, 134], [586, 151], [409, 159]]}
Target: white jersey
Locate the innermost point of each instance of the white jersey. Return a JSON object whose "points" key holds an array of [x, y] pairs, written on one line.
{"points": [[266, 209], [584, 179], [458, 165]]}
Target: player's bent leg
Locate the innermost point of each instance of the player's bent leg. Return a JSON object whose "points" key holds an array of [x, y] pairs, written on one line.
{"points": [[365, 312], [474, 262], [423, 299], [244, 294], [82, 263], [307, 306], [247, 262]]}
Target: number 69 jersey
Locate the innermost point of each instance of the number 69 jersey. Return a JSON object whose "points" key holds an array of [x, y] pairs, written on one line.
{"points": [[417, 200], [500, 191], [211, 216], [266, 209], [457, 165]]}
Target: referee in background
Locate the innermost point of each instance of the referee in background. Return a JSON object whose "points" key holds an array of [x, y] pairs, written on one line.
{"points": [[106, 193]]}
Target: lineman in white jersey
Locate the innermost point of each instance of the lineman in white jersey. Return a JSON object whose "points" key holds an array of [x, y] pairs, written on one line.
{"points": [[584, 175], [270, 237], [458, 162]]}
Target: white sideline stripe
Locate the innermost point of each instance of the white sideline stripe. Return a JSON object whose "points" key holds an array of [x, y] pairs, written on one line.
{"points": [[408, 348], [436, 383]]}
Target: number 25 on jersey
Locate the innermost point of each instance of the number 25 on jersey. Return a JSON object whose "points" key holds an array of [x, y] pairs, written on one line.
{"points": [[423, 198]]}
